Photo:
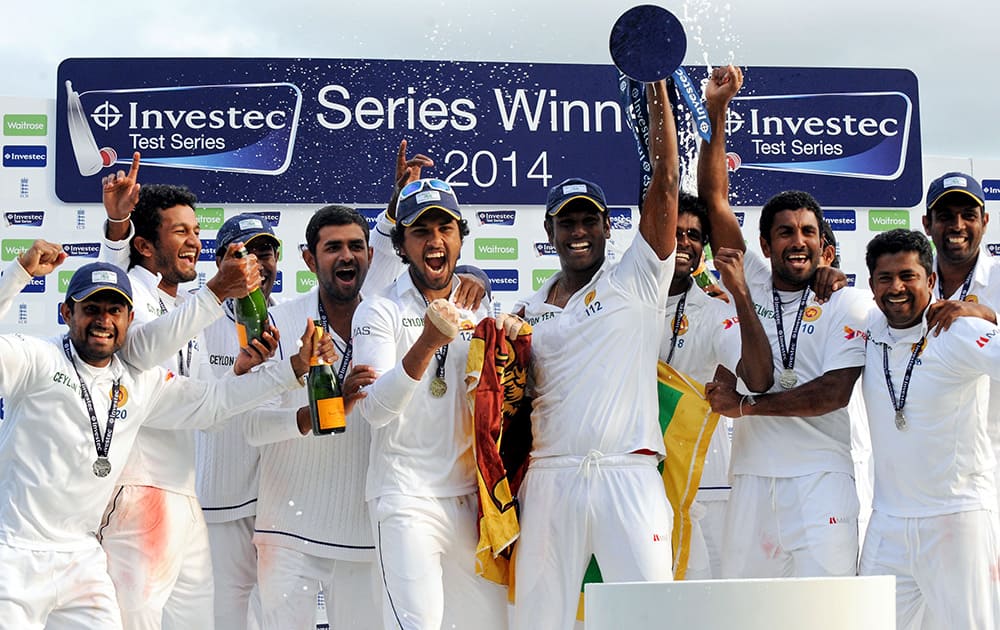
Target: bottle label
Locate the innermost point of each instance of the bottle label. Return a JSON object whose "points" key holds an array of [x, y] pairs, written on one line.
{"points": [[330, 412], [241, 333]]}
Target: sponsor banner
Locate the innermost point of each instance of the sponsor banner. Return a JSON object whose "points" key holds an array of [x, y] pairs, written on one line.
{"points": [[278, 283], [82, 250], [25, 124], [35, 285], [841, 220], [64, 278], [539, 276], [503, 279], [371, 215], [621, 218], [207, 250], [27, 218], [885, 220], [495, 248], [210, 218], [496, 217], [852, 279], [312, 130], [18, 156], [304, 281], [993, 248], [273, 217], [991, 189], [545, 249], [740, 217], [11, 248]]}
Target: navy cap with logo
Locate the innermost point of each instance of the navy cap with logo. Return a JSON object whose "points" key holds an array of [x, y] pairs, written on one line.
{"points": [[243, 227], [422, 195], [98, 276], [954, 182], [572, 190]]}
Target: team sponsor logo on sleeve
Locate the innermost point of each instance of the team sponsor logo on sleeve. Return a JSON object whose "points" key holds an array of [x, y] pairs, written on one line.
{"points": [[729, 322], [984, 339], [853, 333], [621, 218], [25, 218], [496, 217]]}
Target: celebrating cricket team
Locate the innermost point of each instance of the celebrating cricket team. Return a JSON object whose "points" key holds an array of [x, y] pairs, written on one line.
{"points": [[157, 469]]}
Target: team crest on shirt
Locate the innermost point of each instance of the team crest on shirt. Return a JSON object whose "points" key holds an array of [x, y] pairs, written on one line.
{"points": [[684, 324], [587, 299], [811, 314], [466, 324], [972, 298]]}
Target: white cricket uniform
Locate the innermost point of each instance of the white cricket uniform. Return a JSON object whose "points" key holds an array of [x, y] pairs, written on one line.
{"points": [[421, 480], [226, 470], [312, 529], [985, 289], [163, 570], [52, 566], [708, 336], [592, 487], [934, 525], [793, 509]]}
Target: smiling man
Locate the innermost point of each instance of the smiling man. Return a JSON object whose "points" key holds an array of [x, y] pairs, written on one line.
{"points": [[934, 524], [793, 508], [74, 410]]}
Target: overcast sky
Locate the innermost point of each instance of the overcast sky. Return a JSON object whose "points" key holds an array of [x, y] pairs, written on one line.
{"points": [[953, 47]]}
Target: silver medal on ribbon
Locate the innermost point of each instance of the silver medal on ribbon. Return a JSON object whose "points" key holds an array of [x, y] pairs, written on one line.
{"points": [[102, 467], [787, 380], [900, 420]]}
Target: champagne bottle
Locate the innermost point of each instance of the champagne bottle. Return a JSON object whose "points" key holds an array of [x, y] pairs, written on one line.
{"points": [[706, 281], [326, 403], [251, 312]]}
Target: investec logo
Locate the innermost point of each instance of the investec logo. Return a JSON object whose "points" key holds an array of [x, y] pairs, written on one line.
{"points": [[885, 220], [82, 250], [503, 279], [29, 218], [496, 217], [620, 218], [842, 220], [242, 128], [860, 134], [207, 250]]}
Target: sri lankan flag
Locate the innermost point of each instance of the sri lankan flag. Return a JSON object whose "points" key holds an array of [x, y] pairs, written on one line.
{"points": [[688, 423]]}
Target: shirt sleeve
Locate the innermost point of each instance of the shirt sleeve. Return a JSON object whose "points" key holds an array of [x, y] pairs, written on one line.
{"points": [[157, 340], [117, 253], [386, 265], [844, 347], [641, 272], [13, 280], [375, 343], [973, 347]]}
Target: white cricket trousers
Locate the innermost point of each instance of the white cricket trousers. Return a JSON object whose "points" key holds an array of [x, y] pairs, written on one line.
{"points": [[611, 506], [234, 572]]}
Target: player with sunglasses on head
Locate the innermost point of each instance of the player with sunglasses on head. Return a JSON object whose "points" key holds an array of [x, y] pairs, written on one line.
{"points": [[421, 483]]}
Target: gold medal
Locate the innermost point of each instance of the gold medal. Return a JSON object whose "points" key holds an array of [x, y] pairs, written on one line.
{"points": [[438, 387]]}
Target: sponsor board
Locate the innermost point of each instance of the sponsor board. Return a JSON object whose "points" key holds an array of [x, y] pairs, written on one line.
{"points": [[24, 218], [991, 189], [11, 248], [503, 279], [495, 248], [885, 220], [841, 220], [304, 281], [210, 218], [82, 250], [496, 217], [25, 124], [35, 285], [620, 218], [540, 276], [207, 250], [23, 156]]}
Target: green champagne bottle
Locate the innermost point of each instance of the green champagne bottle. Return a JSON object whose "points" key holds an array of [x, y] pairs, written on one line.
{"points": [[251, 312], [326, 402]]}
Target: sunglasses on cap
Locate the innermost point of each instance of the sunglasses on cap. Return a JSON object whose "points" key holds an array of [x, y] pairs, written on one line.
{"points": [[414, 187]]}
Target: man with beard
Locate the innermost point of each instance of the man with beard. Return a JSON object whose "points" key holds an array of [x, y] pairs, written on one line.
{"points": [[74, 411], [702, 332], [793, 508], [968, 277], [421, 482], [934, 524], [162, 566], [592, 485], [226, 465]]}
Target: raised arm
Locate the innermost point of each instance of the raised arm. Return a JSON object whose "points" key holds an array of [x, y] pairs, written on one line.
{"points": [[713, 172], [120, 193], [658, 220]]}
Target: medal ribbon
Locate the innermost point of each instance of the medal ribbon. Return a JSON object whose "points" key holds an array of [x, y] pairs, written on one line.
{"points": [[102, 444], [965, 286], [441, 353], [348, 350], [678, 316], [788, 355], [898, 404]]}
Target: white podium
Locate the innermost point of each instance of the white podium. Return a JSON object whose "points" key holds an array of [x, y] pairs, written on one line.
{"points": [[848, 603]]}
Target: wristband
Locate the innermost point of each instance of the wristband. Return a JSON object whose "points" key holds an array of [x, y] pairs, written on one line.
{"points": [[125, 220]]}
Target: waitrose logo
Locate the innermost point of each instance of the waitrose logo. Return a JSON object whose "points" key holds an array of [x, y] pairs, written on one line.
{"points": [[64, 278], [539, 277], [210, 218], [25, 124], [304, 281], [885, 220], [11, 248], [496, 249]]}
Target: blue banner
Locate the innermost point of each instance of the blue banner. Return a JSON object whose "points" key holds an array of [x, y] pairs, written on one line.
{"points": [[326, 130]]}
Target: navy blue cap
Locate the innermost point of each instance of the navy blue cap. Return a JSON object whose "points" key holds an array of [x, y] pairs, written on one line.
{"points": [[954, 182], [571, 190], [243, 227], [422, 195], [98, 276]]}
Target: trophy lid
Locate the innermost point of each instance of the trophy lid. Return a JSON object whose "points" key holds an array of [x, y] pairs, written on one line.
{"points": [[647, 43]]}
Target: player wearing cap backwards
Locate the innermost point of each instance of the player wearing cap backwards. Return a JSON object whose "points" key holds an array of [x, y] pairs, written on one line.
{"points": [[934, 524], [74, 409], [421, 482], [226, 466], [592, 486], [968, 277], [162, 567]]}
